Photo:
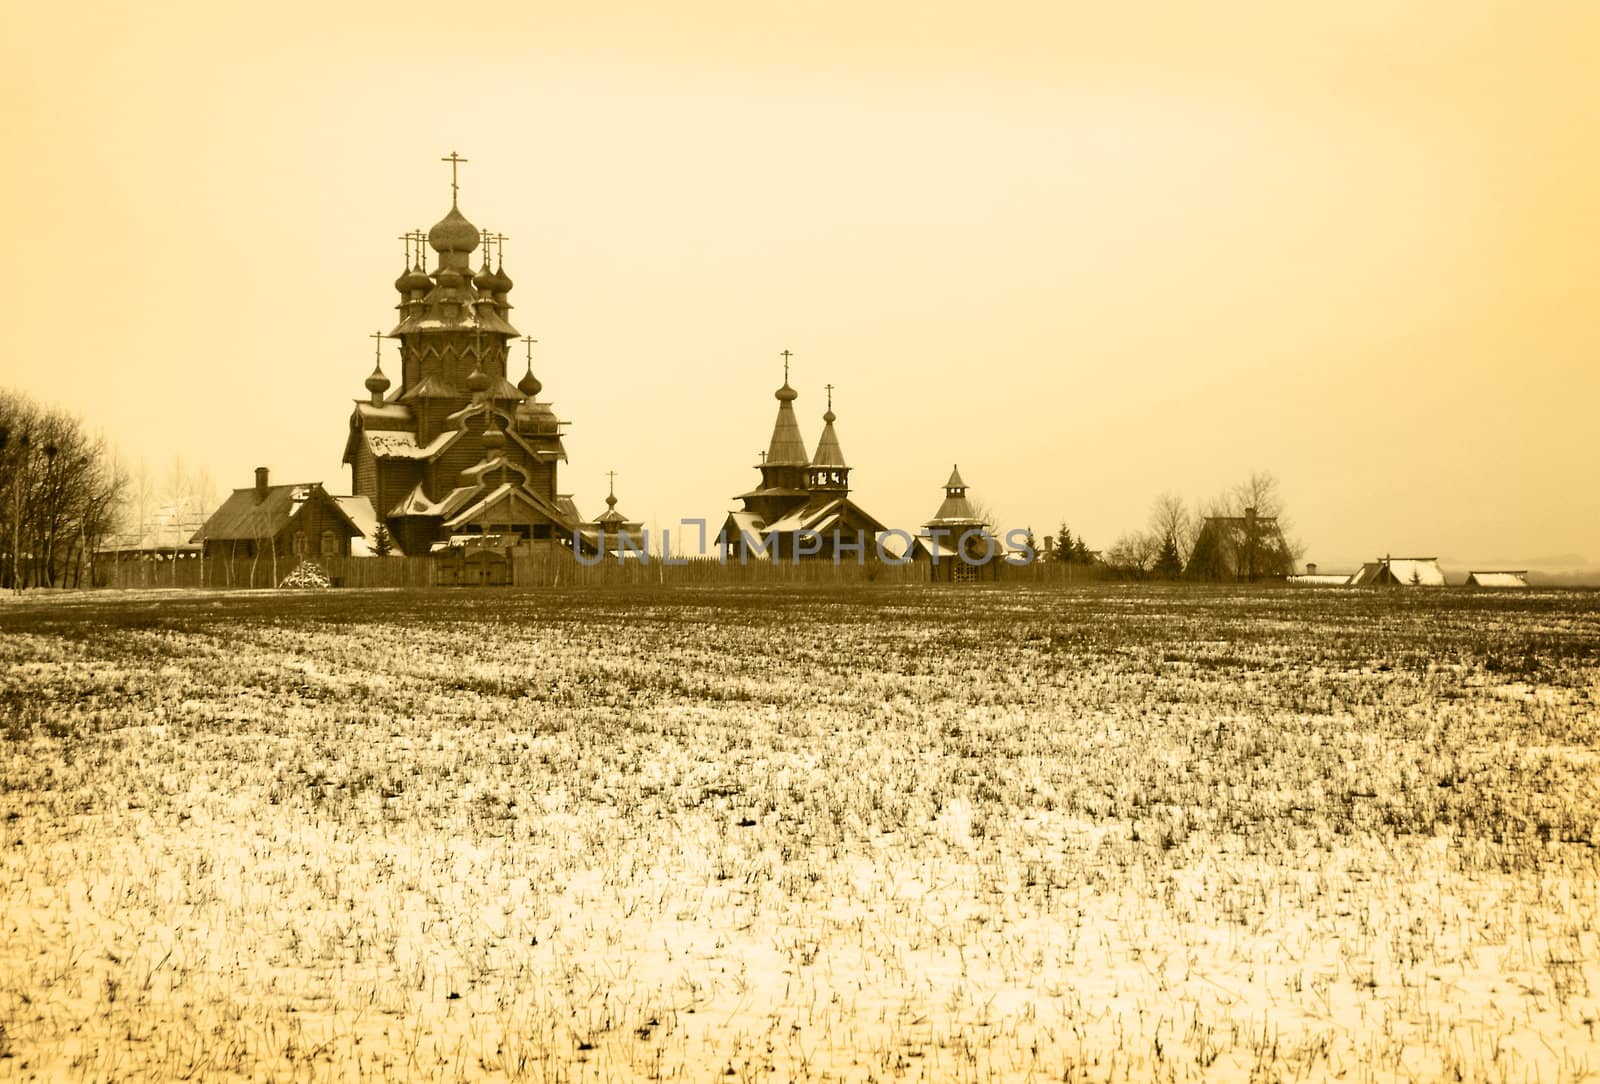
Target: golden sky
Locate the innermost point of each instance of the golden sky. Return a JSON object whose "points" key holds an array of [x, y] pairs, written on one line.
{"points": [[1092, 252]]}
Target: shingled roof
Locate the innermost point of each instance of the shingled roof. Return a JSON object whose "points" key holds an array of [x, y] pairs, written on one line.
{"points": [[248, 514], [788, 447]]}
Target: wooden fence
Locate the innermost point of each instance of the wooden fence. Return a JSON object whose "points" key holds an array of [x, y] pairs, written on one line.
{"points": [[559, 568]]}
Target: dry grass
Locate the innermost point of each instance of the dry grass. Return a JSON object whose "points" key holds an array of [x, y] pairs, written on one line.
{"points": [[879, 835]]}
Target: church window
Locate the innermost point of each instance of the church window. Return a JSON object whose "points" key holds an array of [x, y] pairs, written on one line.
{"points": [[330, 544]]}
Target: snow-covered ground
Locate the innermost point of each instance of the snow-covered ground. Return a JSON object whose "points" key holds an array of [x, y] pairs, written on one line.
{"points": [[902, 834]]}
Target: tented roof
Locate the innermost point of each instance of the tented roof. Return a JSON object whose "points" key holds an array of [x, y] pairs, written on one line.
{"points": [[788, 447], [829, 454]]}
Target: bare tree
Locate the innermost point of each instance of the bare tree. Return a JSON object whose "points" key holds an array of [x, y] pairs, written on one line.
{"points": [[1170, 522], [1259, 491], [1262, 492], [59, 487], [1134, 552]]}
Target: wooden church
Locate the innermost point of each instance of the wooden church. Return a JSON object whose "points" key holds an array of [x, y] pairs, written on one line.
{"points": [[802, 508], [455, 448]]}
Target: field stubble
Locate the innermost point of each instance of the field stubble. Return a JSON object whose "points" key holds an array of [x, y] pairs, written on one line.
{"points": [[883, 835]]}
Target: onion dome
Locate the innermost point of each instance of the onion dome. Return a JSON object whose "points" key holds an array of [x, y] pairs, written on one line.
{"points": [[536, 417], [484, 280], [414, 281], [377, 383], [611, 502], [786, 394], [494, 439], [477, 380], [502, 281], [529, 385], [453, 233], [450, 278]]}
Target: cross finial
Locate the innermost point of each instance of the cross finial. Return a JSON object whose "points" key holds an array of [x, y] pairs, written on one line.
{"points": [[377, 346], [488, 240], [787, 354], [612, 475], [454, 160], [530, 340], [500, 240], [408, 237], [829, 388], [763, 456]]}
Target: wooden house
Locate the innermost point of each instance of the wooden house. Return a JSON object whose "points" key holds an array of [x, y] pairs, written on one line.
{"points": [[1400, 572], [1240, 548], [288, 522]]}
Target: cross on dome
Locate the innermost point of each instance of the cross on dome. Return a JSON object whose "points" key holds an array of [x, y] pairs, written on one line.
{"points": [[455, 160]]}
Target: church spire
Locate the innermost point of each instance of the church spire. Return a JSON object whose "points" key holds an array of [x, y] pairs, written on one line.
{"points": [[956, 508], [829, 454], [787, 447], [828, 468]]}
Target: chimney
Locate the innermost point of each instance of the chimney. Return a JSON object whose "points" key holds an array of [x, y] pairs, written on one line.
{"points": [[261, 484], [1311, 568]]}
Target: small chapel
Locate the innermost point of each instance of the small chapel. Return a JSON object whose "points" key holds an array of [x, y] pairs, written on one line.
{"points": [[453, 448], [802, 508]]}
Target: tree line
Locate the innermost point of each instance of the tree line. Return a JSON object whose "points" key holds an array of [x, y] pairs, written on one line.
{"points": [[60, 495], [1167, 547]]}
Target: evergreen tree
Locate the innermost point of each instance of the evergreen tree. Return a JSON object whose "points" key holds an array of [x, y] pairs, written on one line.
{"points": [[382, 544], [1168, 564], [1064, 544]]}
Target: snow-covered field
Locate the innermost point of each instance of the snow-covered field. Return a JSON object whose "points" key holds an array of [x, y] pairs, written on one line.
{"points": [[889, 834]]}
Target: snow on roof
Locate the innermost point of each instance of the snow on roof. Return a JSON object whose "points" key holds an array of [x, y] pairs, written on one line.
{"points": [[391, 411], [416, 503], [359, 510], [474, 541], [480, 470], [808, 517], [1407, 571], [168, 528], [398, 444], [1323, 579], [460, 508], [247, 515], [1423, 571], [747, 530], [1517, 578]]}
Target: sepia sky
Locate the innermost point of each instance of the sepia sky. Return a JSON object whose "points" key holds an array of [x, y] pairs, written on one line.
{"points": [[1092, 252]]}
